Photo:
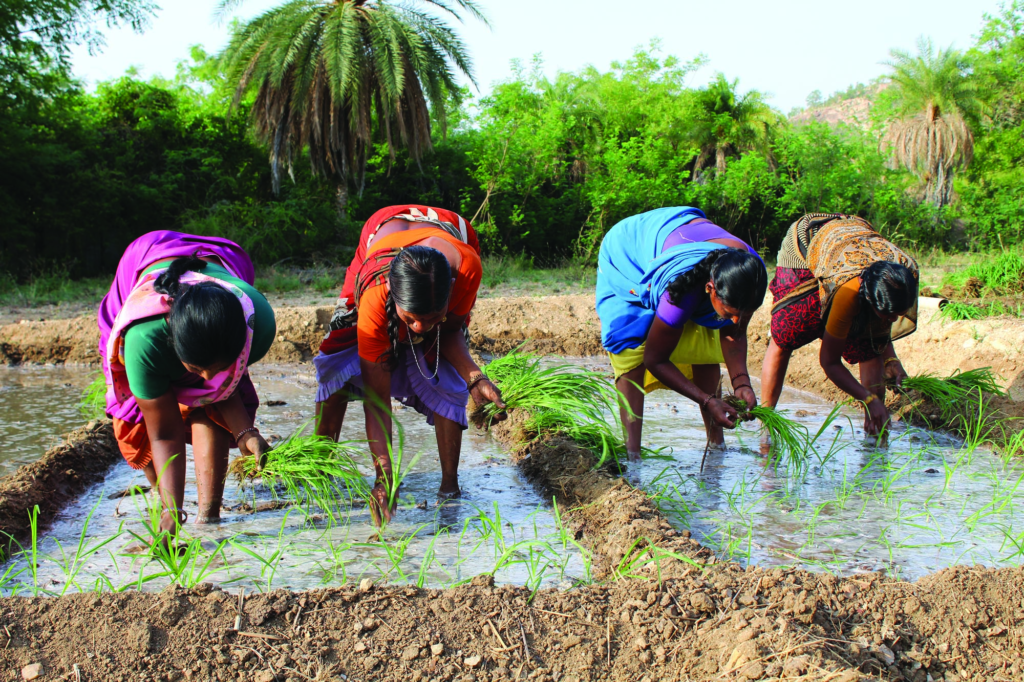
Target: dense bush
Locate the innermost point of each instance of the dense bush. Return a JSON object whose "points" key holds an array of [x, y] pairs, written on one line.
{"points": [[544, 166]]}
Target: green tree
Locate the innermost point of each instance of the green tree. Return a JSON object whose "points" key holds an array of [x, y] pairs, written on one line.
{"points": [[330, 76], [728, 124], [932, 99]]}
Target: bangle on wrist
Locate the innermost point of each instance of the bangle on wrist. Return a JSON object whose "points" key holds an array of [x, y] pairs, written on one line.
{"points": [[475, 379], [736, 388], [741, 374], [251, 429], [892, 359], [704, 403], [871, 398]]}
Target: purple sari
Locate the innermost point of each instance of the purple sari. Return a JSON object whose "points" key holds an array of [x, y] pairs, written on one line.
{"points": [[142, 253]]}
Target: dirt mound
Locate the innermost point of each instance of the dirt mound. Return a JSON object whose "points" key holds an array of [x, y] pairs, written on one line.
{"points": [[58, 477], [560, 325]]}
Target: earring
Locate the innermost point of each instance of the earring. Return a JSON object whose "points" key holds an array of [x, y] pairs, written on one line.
{"points": [[444, 319]]}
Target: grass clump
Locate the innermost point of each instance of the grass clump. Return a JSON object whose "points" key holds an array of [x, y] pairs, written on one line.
{"points": [[1002, 274], [954, 311], [93, 403], [560, 399], [312, 468]]}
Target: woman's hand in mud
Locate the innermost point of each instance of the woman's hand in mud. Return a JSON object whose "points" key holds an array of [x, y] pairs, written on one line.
{"points": [[876, 416], [484, 391], [254, 444], [747, 395], [895, 373], [722, 413]]}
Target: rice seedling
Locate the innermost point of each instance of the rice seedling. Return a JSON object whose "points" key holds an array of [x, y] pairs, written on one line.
{"points": [[312, 468], [93, 404], [959, 398], [789, 440], [559, 399]]}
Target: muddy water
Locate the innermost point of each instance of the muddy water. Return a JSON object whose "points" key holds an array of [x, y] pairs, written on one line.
{"points": [[919, 504], [37, 405], [500, 524], [922, 503]]}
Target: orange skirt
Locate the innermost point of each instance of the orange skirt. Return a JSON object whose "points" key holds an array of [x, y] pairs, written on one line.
{"points": [[133, 439]]}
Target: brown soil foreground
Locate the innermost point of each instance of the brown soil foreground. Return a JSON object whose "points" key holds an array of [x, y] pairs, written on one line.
{"points": [[667, 608]]}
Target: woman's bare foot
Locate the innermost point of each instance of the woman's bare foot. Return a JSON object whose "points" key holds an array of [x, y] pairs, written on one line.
{"points": [[380, 511], [633, 456]]}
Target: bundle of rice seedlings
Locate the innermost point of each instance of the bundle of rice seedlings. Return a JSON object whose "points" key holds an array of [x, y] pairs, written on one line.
{"points": [[982, 378], [93, 403], [958, 391], [559, 398], [789, 439], [312, 468]]}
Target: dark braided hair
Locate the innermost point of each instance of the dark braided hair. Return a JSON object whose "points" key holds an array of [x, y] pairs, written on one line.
{"points": [[419, 282], [206, 321], [739, 278], [889, 288]]}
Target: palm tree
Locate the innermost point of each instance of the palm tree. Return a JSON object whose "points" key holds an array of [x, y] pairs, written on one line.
{"points": [[333, 76], [728, 124], [933, 96]]}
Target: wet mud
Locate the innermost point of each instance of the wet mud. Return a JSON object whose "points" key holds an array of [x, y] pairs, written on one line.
{"points": [[62, 474]]}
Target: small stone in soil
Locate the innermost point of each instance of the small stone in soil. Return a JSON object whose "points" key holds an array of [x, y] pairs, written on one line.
{"points": [[360, 647], [436, 649], [410, 653], [32, 671], [473, 661], [365, 585]]}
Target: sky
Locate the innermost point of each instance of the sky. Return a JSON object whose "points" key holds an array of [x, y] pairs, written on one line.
{"points": [[787, 48]]}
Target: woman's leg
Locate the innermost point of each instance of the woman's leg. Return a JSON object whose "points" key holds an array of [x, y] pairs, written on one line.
{"points": [[709, 379], [210, 444], [773, 373], [330, 415], [449, 449], [630, 386]]}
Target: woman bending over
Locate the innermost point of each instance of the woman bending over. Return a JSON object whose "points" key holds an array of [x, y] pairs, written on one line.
{"points": [[398, 332], [178, 330], [840, 281], [675, 293]]}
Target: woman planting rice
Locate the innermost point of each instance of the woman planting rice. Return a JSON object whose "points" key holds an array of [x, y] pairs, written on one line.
{"points": [[840, 281], [178, 329], [675, 293], [398, 333]]}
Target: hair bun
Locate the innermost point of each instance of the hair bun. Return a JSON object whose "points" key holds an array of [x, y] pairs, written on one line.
{"points": [[169, 283]]}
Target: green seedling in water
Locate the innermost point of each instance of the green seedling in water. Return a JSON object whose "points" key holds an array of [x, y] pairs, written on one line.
{"points": [[789, 440], [313, 469], [93, 404]]}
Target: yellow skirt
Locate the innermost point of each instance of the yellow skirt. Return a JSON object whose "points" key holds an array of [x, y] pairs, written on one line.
{"points": [[697, 346]]}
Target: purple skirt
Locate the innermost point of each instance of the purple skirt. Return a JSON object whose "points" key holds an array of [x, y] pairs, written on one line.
{"points": [[445, 394]]}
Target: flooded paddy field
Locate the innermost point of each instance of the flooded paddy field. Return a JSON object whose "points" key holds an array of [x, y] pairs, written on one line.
{"points": [[265, 540], [919, 503]]}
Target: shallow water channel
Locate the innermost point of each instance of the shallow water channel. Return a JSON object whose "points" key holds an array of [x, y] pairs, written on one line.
{"points": [[922, 502], [500, 524]]}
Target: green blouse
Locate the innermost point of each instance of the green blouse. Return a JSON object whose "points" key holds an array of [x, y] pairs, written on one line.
{"points": [[150, 360]]}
